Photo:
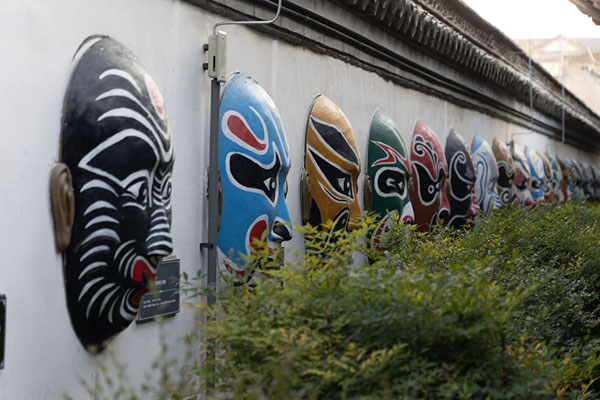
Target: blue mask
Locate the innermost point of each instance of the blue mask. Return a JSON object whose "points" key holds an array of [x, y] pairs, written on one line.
{"points": [[487, 175], [254, 160], [536, 166]]}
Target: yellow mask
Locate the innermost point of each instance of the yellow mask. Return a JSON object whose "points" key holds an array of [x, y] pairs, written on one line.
{"points": [[332, 164]]}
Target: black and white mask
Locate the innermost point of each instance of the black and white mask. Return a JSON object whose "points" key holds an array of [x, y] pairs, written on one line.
{"points": [[117, 144]]}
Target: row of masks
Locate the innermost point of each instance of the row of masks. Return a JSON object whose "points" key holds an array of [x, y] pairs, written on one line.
{"points": [[111, 189]]}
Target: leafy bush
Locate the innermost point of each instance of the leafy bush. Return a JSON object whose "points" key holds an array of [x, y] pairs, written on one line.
{"points": [[506, 310]]}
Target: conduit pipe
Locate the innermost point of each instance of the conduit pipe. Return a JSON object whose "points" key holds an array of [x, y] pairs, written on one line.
{"points": [[216, 67]]}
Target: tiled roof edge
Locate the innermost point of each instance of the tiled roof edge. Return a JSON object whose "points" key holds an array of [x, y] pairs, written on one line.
{"points": [[454, 32]]}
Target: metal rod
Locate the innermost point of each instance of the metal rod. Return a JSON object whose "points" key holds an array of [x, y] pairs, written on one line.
{"points": [[213, 190], [532, 120], [562, 61], [260, 22], [530, 84], [213, 206]]}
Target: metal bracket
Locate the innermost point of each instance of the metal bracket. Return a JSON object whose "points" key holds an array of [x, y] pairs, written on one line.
{"points": [[208, 246], [217, 56]]}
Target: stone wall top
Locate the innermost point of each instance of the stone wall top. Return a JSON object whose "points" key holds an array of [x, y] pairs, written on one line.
{"points": [[442, 48]]}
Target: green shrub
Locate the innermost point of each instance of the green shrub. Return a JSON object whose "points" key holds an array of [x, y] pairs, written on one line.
{"points": [[505, 310], [508, 309]]}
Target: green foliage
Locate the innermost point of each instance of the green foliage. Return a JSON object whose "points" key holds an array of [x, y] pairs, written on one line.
{"points": [[508, 309], [505, 310]]}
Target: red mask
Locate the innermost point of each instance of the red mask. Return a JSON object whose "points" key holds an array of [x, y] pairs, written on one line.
{"points": [[429, 172]]}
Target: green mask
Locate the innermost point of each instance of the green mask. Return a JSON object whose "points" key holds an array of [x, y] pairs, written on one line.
{"points": [[388, 170]]}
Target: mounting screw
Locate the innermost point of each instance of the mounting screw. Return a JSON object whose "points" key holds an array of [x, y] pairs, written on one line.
{"points": [[205, 46], [205, 66]]}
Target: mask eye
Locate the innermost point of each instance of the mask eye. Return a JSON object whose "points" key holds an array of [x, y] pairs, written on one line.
{"points": [[344, 185], [136, 194], [391, 182], [426, 184], [250, 175], [269, 183], [166, 193], [340, 180]]}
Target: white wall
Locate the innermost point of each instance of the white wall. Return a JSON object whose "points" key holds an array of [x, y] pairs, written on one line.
{"points": [[37, 39]]}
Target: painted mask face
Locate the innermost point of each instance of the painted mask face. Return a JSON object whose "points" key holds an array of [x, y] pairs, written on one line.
{"points": [[577, 179], [592, 181], [547, 180], [568, 183], [588, 179], [461, 176], [333, 166], [522, 177], [389, 171], [596, 183], [536, 167], [254, 160], [429, 172], [487, 175], [556, 178], [117, 144], [506, 173]]}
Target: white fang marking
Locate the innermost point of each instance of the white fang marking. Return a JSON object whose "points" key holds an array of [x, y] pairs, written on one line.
{"points": [[105, 232], [159, 226], [84, 48], [124, 313], [125, 112], [165, 234], [88, 286], [117, 137], [106, 300], [122, 74], [122, 246], [100, 219], [110, 311], [97, 184], [166, 243], [95, 297], [155, 212], [91, 267], [99, 205], [160, 218], [98, 249], [128, 95], [125, 259]]}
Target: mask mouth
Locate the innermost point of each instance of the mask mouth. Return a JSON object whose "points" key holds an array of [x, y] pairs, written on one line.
{"points": [[144, 269], [342, 221], [280, 231], [379, 237], [444, 216]]}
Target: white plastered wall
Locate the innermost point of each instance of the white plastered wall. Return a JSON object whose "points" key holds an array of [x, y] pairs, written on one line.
{"points": [[44, 359]]}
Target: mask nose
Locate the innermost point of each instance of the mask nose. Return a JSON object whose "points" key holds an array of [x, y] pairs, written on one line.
{"points": [[474, 206], [280, 232], [159, 241], [444, 216], [408, 214], [444, 212], [497, 202]]}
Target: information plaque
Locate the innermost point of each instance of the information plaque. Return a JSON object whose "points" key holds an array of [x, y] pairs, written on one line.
{"points": [[163, 299], [2, 328]]}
